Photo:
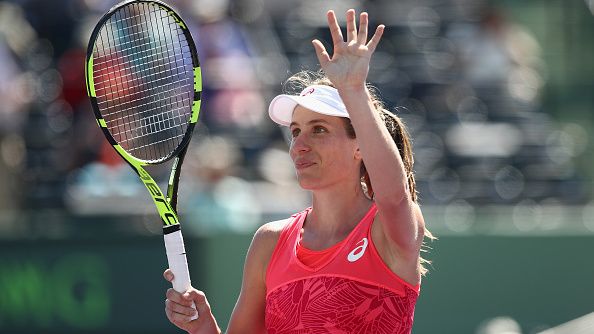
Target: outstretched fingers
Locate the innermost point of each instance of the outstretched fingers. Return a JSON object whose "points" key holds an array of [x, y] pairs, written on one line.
{"points": [[356, 46], [379, 31], [363, 23], [334, 28], [321, 53], [351, 26]]}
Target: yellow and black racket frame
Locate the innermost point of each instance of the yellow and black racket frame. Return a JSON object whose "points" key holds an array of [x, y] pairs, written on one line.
{"points": [[166, 206]]}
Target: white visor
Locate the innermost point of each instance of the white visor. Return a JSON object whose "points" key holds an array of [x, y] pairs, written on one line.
{"points": [[319, 98]]}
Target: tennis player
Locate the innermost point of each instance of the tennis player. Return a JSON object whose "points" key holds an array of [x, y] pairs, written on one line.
{"points": [[351, 262]]}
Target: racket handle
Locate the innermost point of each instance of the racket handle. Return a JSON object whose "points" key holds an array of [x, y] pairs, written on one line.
{"points": [[176, 257]]}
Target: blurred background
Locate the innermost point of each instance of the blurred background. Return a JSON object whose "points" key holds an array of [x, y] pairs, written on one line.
{"points": [[497, 95]]}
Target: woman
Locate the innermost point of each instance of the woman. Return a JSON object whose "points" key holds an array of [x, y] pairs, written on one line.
{"points": [[351, 262]]}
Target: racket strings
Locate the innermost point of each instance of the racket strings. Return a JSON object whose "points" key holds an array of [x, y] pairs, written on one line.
{"points": [[171, 70], [152, 125], [136, 148], [107, 63], [109, 93], [137, 103], [134, 45], [144, 80], [175, 69], [127, 38]]}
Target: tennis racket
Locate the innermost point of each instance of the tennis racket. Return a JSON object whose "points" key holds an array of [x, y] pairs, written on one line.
{"points": [[144, 82]]}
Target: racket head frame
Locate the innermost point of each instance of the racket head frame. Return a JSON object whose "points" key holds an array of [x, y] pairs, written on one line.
{"points": [[196, 103]]}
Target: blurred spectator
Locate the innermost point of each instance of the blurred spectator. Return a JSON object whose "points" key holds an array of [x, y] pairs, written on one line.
{"points": [[497, 53], [213, 198], [467, 79], [15, 94]]}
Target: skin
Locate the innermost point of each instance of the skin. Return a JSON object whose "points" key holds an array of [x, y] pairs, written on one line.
{"points": [[327, 163]]}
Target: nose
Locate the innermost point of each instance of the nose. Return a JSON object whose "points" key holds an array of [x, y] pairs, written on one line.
{"points": [[299, 144]]}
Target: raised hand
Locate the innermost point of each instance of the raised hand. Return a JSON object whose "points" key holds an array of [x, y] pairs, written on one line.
{"points": [[349, 65]]}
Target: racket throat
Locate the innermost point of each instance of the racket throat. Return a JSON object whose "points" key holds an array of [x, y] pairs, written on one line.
{"points": [[171, 229]]}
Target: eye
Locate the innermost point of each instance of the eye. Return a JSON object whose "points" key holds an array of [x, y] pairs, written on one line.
{"points": [[319, 129], [295, 132]]}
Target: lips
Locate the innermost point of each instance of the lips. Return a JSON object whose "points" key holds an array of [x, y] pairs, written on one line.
{"points": [[303, 163]]}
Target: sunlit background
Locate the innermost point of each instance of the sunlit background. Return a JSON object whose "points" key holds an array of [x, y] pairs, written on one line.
{"points": [[497, 95]]}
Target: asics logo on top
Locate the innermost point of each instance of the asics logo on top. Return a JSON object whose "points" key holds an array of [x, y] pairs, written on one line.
{"points": [[358, 252]]}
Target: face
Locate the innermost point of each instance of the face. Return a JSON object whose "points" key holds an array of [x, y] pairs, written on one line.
{"points": [[321, 150]]}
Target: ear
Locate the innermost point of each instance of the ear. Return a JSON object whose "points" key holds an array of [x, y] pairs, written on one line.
{"points": [[357, 154]]}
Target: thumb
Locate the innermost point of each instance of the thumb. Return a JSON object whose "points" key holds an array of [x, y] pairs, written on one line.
{"points": [[168, 275], [321, 52]]}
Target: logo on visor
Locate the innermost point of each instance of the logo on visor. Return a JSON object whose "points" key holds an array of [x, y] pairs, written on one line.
{"points": [[309, 91]]}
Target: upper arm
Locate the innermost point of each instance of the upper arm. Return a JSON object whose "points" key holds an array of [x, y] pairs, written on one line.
{"points": [[248, 314], [403, 226], [399, 248]]}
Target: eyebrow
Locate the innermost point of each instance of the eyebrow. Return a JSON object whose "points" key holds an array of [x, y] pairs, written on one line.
{"points": [[313, 121]]}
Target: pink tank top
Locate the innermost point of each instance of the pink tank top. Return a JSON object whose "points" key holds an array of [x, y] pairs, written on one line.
{"points": [[352, 292]]}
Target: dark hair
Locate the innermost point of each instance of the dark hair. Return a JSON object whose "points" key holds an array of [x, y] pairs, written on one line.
{"points": [[299, 81], [400, 136]]}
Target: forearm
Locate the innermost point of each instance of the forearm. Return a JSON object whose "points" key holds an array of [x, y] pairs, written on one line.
{"points": [[348, 69], [380, 153], [386, 170]]}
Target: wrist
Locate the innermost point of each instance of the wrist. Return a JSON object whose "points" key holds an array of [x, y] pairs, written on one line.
{"points": [[354, 94], [352, 88], [210, 327]]}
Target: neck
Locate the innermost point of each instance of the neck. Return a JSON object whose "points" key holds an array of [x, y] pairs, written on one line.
{"points": [[334, 215]]}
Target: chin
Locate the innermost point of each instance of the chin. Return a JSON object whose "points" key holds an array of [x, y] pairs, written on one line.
{"points": [[308, 183]]}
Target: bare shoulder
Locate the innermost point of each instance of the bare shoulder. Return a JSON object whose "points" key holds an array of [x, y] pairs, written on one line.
{"points": [[270, 232], [265, 239], [273, 229], [250, 307]]}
